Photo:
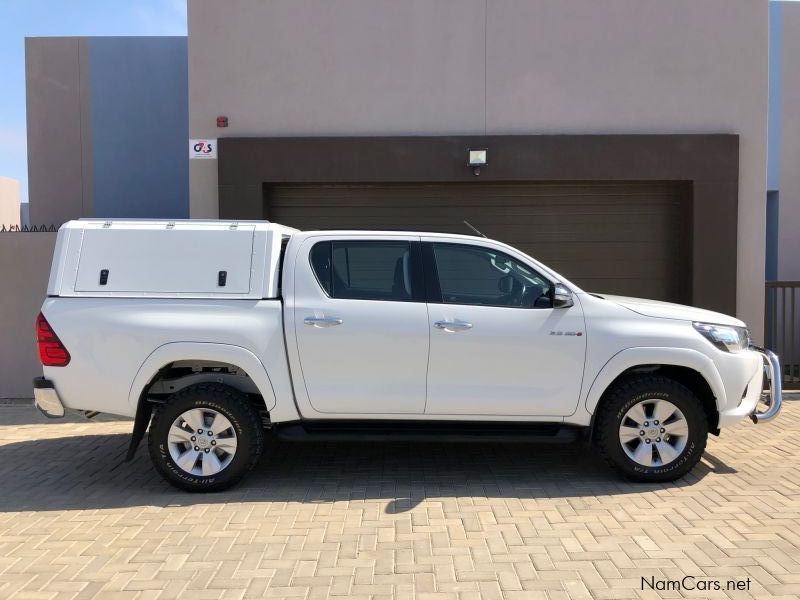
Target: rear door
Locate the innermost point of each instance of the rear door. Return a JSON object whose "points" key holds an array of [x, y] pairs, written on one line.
{"points": [[361, 324]]}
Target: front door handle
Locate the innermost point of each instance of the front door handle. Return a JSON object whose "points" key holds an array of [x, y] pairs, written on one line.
{"points": [[453, 325], [322, 321]]}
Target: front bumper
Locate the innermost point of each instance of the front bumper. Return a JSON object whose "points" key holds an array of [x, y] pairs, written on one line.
{"points": [[774, 399], [45, 398]]}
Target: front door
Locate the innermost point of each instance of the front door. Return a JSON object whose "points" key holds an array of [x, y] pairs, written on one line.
{"points": [[497, 346], [361, 325]]}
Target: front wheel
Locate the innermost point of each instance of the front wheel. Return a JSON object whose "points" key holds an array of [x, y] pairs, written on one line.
{"points": [[652, 428], [205, 438]]}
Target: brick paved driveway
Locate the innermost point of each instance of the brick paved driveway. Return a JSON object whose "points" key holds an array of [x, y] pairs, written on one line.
{"points": [[425, 521]]}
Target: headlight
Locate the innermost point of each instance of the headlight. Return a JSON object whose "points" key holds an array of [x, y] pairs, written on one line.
{"points": [[725, 337]]}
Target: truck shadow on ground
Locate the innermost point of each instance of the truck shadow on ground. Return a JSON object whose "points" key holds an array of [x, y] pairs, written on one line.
{"points": [[87, 472]]}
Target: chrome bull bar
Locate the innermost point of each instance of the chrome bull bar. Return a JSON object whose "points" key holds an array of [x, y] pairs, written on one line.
{"points": [[772, 371]]}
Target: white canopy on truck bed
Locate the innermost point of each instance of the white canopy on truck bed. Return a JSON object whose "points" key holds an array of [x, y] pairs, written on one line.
{"points": [[167, 259]]}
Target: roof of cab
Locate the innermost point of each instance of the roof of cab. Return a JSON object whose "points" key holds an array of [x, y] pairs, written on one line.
{"points": [[393, 232], [258, 225]]}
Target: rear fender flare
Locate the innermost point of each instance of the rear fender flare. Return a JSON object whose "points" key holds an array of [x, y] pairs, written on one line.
{"points": [[225, 353]]}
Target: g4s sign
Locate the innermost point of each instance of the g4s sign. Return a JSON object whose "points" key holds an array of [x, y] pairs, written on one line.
{"points": [[202, 148]]}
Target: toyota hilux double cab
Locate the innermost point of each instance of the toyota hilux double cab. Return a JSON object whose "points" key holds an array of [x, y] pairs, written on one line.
{"points": [[214, 335]]}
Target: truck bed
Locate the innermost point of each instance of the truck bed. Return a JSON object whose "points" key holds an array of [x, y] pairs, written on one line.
{"points": [[110, 339]]}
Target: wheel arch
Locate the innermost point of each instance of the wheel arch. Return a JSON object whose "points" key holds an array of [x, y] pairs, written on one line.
{"points": [[688, 367], [161, 360]]}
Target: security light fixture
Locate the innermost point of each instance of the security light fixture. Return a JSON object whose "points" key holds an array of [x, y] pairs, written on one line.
{"points": [[477, 159]]}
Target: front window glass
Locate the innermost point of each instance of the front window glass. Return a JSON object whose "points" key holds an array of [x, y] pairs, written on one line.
{"points": [[484, 276]]}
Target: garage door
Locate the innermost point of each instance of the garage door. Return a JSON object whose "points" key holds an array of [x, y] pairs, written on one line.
{"points": [[629, 238]]}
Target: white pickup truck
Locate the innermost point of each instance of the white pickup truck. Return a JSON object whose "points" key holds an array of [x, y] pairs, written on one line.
{"points": [[216, 333]]}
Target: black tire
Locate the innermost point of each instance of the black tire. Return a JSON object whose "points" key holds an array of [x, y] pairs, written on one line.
{"points": [[621, 398], [231, 403]]}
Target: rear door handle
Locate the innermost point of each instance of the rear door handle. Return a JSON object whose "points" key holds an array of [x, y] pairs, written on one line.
{"points": [[322, 321], [453, 325]]}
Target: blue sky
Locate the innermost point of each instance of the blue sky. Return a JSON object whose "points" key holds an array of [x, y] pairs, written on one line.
{"points": [[30, 18]]}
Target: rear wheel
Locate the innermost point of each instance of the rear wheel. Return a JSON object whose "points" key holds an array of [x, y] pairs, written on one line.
{"points": [[205, 438], [652, 428]]}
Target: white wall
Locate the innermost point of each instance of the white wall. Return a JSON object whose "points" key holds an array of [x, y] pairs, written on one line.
{"points": [[9, 202], [379, 67]]}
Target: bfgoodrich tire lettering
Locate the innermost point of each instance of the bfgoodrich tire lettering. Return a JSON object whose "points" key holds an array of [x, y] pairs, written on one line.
{"points": [[235, 407], [646, 391]]}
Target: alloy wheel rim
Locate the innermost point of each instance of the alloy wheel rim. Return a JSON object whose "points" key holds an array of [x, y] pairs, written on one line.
{"points": [[653, 432], [202, 441]]}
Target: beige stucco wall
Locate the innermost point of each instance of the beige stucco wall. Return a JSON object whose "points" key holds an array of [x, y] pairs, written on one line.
{"points": [[789, 187], [9, 202], [379, 67], [24, 269]]}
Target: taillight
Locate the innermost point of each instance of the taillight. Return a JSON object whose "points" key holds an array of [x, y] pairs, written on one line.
{"points": [[52, 352]]}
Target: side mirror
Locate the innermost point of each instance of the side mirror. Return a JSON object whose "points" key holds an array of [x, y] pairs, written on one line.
{"points": [[560, 296]]}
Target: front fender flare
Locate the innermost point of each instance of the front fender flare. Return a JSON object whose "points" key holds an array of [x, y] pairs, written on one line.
{"points": [[634, 357], [226, 353]]}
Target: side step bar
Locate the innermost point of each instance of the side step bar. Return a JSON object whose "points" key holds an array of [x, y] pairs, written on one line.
{"points": [[427, 431]]}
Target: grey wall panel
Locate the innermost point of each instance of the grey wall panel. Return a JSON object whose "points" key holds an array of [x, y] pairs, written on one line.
{"points": [[294, 67], [85, 120], [789, 199], [774, 121], [56, 141], [24, 260], [139, 114]]}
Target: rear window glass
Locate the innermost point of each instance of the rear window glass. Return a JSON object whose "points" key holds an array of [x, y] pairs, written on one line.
{"points": [[364, 270]]}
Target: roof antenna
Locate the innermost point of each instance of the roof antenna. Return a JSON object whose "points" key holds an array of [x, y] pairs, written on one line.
{"points": [[475, 229]]}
